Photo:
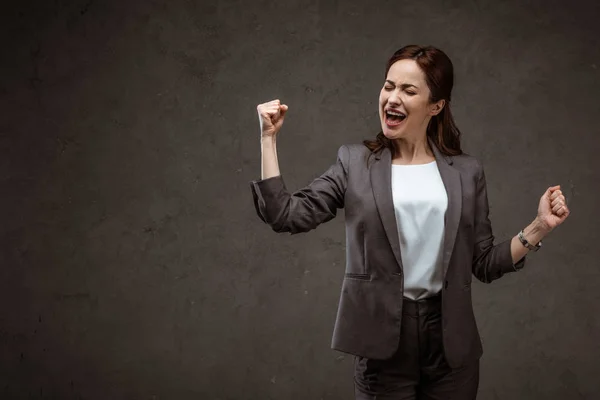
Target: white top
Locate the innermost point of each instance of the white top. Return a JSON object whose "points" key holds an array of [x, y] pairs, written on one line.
{"points": [[420, 203]]}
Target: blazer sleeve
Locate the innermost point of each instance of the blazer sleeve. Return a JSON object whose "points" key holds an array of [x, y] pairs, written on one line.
{"points": [[490, 261], [305, 208]]}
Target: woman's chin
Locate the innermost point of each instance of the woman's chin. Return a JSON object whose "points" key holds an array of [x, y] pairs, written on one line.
{"points": [[389, 133]]}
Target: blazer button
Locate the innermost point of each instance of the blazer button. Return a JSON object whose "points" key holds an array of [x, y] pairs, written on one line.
{"points": [[446, 285]]}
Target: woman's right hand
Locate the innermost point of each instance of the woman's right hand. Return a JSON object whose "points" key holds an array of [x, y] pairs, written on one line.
{"points": [[270, 116]]}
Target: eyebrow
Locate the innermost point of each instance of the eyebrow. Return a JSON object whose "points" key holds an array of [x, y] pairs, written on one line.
{"points": [[404, 85]]}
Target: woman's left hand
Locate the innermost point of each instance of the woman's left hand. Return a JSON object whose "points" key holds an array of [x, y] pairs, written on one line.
{"points": [[553, 209]]}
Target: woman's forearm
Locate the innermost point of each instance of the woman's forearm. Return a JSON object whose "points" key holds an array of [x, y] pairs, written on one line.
{"points": [[533, 233], [269, 163]]}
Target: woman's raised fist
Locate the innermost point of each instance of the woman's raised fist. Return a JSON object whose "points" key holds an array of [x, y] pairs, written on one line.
{"points": [[270, 116]]}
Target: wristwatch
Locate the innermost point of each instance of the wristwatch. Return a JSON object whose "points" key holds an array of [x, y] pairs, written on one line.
{"points": [[527, 244]]}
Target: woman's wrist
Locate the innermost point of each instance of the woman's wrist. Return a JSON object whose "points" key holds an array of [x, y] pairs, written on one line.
{"points": [[267, 139], [535, 232]]}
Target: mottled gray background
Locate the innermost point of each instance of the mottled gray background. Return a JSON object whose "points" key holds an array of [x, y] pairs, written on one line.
{"points": [[133, 264]]}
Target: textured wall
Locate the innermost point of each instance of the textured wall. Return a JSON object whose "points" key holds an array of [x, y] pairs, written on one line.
{"points": [[133, 264]]}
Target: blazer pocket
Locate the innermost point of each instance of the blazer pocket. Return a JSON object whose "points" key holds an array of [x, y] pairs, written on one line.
{"points": [[364, 277]]}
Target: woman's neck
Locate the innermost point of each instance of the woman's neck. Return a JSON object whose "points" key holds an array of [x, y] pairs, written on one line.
{"points": [[413, 152]]}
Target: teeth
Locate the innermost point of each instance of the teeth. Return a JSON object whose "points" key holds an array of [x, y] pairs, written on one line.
{"points": [[395, 113]]}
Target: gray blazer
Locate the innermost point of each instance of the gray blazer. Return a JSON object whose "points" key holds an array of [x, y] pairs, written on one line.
{"points": [[370, 307]]}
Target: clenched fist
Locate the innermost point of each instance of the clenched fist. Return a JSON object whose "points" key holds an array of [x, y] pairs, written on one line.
{"points": [[270, 116], [553, 210]]}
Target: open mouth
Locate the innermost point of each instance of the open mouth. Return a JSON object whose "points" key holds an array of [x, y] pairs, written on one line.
{"points": [[393, 118]]}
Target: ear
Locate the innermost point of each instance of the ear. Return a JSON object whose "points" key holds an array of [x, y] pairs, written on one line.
{"points": [[437, 108]]}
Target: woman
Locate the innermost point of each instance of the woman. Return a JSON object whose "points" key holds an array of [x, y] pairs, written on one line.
{"points": [[417, 230]]}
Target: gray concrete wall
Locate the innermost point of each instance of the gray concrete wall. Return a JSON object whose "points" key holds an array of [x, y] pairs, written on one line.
{"points": [[133, 265]]}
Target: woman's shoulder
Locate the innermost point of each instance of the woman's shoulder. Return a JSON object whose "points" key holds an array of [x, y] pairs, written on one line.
{"points": [[356, 148], [467, 160], [360, 149], [468, 165], [354, 152]]}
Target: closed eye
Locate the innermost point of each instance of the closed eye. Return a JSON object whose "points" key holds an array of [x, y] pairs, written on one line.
{"points": [[391, 88]]}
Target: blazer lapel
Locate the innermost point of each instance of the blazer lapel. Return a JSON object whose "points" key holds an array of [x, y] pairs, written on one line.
{"points": [[381, 183]]}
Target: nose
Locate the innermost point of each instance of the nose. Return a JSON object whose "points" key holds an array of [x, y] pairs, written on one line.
{"points": [[394, 99]]}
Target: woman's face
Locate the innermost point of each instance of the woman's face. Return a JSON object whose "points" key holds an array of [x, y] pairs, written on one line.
{"points": [[405, 91]]}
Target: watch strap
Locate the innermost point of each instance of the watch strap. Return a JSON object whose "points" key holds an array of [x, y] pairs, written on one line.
{"points": [[527, 244]]}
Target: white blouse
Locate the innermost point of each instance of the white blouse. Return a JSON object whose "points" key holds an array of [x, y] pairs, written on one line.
{"points": [[420, 203]]}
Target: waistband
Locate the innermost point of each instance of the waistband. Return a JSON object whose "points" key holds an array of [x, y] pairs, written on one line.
{"points": [[422, 306]]}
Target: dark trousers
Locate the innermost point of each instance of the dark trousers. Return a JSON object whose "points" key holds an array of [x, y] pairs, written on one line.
{"points": [[418, 370]]}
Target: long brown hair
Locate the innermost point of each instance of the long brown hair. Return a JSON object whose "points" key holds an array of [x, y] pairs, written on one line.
{"points": [[439, 75]]}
